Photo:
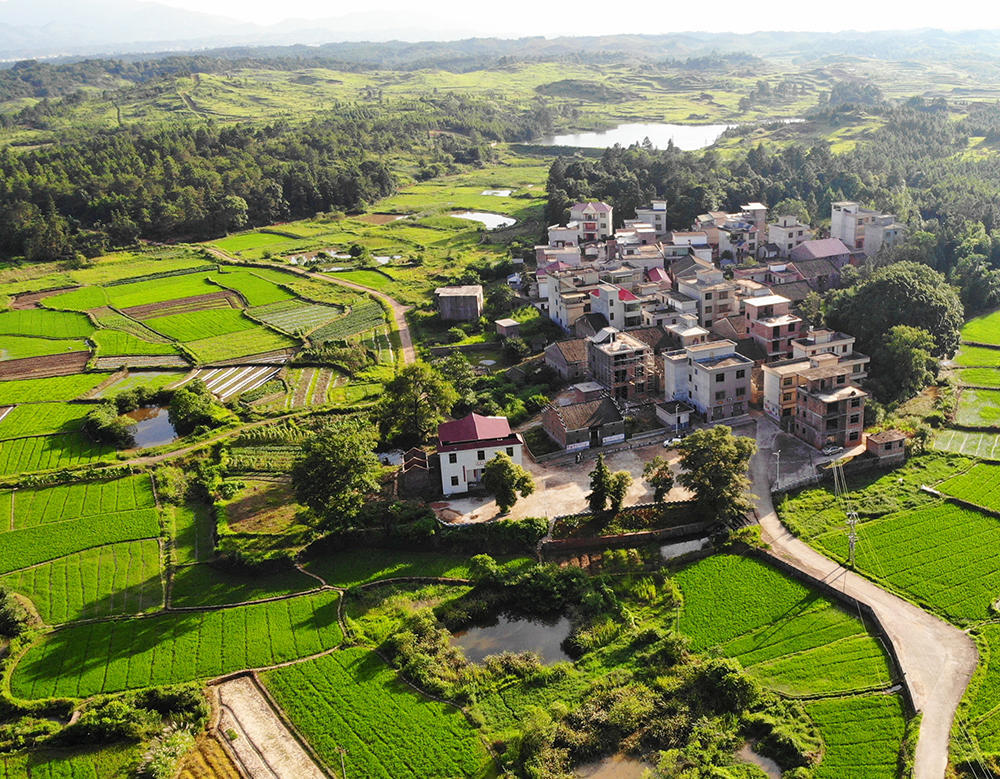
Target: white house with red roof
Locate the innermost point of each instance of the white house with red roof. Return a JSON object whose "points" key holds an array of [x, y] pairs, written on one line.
{"points": [[620, 307], [467, 444]]}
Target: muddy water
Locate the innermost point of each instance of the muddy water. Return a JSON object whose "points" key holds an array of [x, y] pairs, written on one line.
{"points": [[152, 426], [766, 764], [515, 634], [614, 767], [490, 221]]}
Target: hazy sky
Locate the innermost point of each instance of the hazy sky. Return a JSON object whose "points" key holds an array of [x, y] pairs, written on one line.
{"points": [[530, 17]]}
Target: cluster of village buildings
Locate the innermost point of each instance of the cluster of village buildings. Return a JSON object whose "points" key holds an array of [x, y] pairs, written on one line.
{"points": [[652, 316]]}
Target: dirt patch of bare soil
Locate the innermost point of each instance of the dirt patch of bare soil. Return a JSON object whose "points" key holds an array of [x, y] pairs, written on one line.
{"points": [[263, 507], [43, 367], [221, 299]]}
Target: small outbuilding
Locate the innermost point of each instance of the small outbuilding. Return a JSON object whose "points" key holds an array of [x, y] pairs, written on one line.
{"points": [[460, 304], [582, 425], [675, 415], [888, 446], [508, 328]]}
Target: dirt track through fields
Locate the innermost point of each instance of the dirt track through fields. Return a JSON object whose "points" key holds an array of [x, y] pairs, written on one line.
{"points": [[937, 659]]}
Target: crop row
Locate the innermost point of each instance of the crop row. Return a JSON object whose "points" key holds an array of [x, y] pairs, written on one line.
{"points": [[44, 453], [294, 316], [41, 543], [242, 344], [193, 529], [86, 659], [254, 289], [362, 318], [852, 663], [194, 325], [351, 700], [53, 388], [271, 458], [15, 347], [112, 320], [983, 329], [862, 736], [70, 501], [975, 444], [978, 408], [50, 324], [158, 290], [115, 342], [812, 629], [115, 579], [942, 554], [42, 419], [979, 485]]}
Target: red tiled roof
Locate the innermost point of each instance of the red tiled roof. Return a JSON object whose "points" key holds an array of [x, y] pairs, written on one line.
{"points": [[552, 267], [511, 440], [603, 208], [474, 427], [657, 274], [624, 294]]}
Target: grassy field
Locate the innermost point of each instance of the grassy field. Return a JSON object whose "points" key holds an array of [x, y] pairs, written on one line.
{"points": [[862, 736], [179, 647], [107, 581], [44, 453], [968, 442], [14, 347], [49, 324], [983, 329], [350, 700], [978, 408], [32, 419], [55, 388], [359, 566], [115, 342]]}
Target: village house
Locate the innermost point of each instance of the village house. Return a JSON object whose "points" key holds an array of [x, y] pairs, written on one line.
{"points": [[567, 358], [787, 233], [712, 377], [460, 304], [467, 444], [887, 447], [622, 364], [594, 220], [864, 229], [581, 425], [771, 325], [508, 328]]}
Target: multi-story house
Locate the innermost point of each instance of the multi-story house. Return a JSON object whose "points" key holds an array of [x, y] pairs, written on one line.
{"points": [[569, 294], [771, 324], [864, 229], [655, 215], [714, 296], [696, 242], [620, 307], [467, 444], [787, 233], [594, 220], [622, 364], [712, 377]]}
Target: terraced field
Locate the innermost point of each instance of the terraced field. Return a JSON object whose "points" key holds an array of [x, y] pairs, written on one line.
{"points": [[255, 290], [47, 324], [33, 419], [117, 342], [14, 347], [244, 343], [978, 356], [983, 329], [968, 442], [978, 408], [361, 318], [295, 316], [862, 736], [230, 382], [979, 485], [55, 388], [44, 453]]}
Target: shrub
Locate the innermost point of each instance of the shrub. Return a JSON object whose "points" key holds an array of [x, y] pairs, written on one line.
{"points": [[164, 753], [13, 615], [109, 721], [104, 425]]}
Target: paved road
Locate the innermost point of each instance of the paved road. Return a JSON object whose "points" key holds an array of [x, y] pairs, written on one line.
{"points": [[937, 658]]}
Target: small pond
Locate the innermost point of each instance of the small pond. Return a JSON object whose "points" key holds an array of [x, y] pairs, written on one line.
{"points": [[491, 221], [678, 548], [765, 764], [614, 767], [152, 426], [515, 634], [685, 136]]}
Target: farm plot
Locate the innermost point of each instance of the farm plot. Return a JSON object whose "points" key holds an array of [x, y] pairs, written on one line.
{"points": [[312, 289], [235, 244], [787, 636], [81, 299], [943, 555], [40, 543], [205, 585], [33, 419], [267, 458], [245, 343], [48, 324], [81, 499], [362, 318], [979, 485], [983, 329], [109, 580], [212, 301], [44, 453], [105, 657], [978, 408], [862, 736], [151, 380], [51, 388], [104, 762], [350, 699], [256, 291], [296, 317], [353, 394], [974, 444], [979, 377], [191, 526], [173, 288], [116, 342], [14, 347], [309, 386], [227, 382], [981, 705], [194, 325], [112, 320], [978, 356]]}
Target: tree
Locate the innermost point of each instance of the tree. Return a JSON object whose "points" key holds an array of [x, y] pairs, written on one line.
{"points": [[659, 475], [791, 206], [617, 489], [414, 403], [714, 465], [905, 293], [600, 485], [500, 301], [338, 472], [811, 309], [504, 479], [13, 615], [191, 406], [903, 364]]}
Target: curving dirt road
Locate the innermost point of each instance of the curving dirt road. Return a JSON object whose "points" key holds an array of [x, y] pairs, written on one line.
{"points": [[937, 658]]}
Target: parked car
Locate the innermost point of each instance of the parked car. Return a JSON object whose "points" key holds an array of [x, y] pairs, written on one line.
{"points": [[671, 442], [831, 449]]}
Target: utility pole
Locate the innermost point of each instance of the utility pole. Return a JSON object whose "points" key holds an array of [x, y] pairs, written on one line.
{"points": [[777, 468], [840, 489]]}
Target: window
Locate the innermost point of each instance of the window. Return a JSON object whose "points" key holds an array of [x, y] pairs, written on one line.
{"points": [[708, 309], [612, 316], [708, 323], [787, 382], [721, 395], [855, 403], [741, 391], [853, 436], [481, 454], [786, 397], [510, 451], [708, 296], [841, 379], [720, 377], [454, 481], [741, 373], [855, 418], [452, 458]]}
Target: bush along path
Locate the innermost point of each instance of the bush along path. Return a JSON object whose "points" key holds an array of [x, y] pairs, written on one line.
{"points": [[937, 659]]}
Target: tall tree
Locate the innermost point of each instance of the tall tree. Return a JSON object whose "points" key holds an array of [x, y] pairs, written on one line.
{"points": [[414, 403], [618, 486], [714, 465], [600, 484], [659, 475], [338, 472], [903, 364], [504, 479]]}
